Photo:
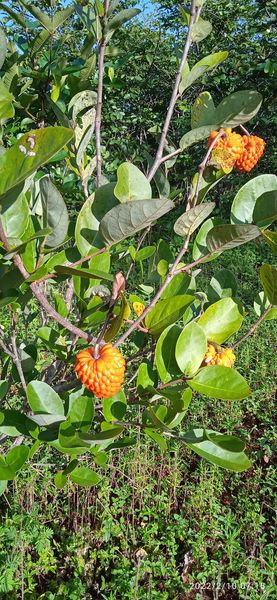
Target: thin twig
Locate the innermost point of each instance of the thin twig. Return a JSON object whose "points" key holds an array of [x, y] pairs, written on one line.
{"points": [[244, 130], [38, 293], [194, 195], [253, 328], [98, 115], [139, 244], [16, 358], [194, 14], [171, 155]]}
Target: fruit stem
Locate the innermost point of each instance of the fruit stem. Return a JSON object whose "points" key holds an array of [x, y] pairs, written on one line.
{"points": [[245, 130]]}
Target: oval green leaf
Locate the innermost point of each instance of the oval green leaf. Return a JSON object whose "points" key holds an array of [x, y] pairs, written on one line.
{"points": [[220, 382]]}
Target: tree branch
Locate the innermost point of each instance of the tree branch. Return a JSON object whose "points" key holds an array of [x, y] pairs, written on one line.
{"points": [[37, 292], [194, 15], [98, 115], [253, 328]]}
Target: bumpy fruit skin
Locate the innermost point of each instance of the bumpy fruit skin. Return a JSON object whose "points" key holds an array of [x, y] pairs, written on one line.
{"points": [[253, 150], [225, 357], [104, 375], [232, 143]]}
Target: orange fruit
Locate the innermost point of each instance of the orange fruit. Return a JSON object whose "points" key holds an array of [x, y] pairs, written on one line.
{"points": [[225, 357], [253, 150], [103, 375], [231, 143]]}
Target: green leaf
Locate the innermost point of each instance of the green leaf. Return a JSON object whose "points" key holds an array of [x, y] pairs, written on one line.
{"points": [[156, 437], [6, 472], [196, 135], [215, 452], [166, 312], [117, 323], [122, 17], [200, 248], [41, 233], [44, 20], [178, 285], [39, 41], [178, 409], [14, 423], [14, 215], [261, 303], [4, 386], [54, 211], [209, 179], [202, 110], [70, 437], [16, 457], [222, 285], [61, 16], [17, 17], [211, 61], [131, 184], [190, 220], [81, 412], [3, 47], [86, 273], [90, 215], [145, 253], [43, 420], [191, 348], [165, 354], [15, 166], [98, 438], [60, 480], [221, 320], [265, 211], [201, 30], [271, 239], [126, 219], [84, 476], [81, 101], [6, 106], [115, 407], [200, 68], [268, 276], [256, 201], [42, 398], [3, 486], [146, 379], [220, 382], [238, 108], [226, 237]]}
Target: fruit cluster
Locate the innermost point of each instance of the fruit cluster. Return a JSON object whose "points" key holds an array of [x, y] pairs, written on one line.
{"points": [[243, 151], [224, 357], [103, 374]]}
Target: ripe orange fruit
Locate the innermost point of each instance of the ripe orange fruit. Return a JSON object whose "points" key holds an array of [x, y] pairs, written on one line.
{"points": [[103, 375], [225, 357], [253, 150], [232, 143]]}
